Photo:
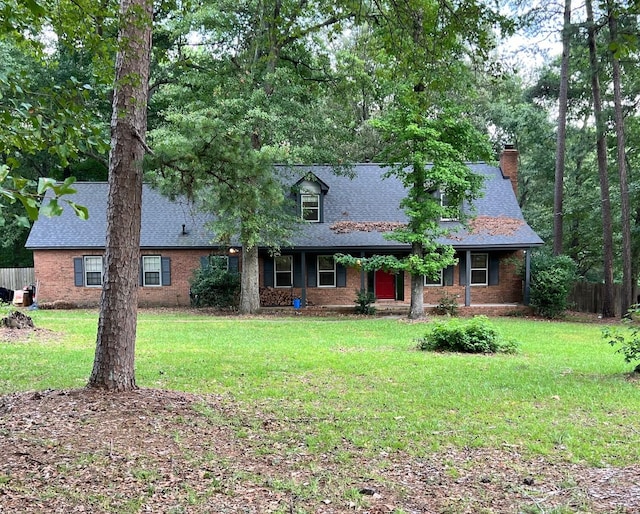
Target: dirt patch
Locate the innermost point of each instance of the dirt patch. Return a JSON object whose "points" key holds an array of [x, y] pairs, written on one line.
{"points": [[172, 452], [26, 335]]}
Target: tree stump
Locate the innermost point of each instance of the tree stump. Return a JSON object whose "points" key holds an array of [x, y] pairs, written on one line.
{"points": [[17, 320]]}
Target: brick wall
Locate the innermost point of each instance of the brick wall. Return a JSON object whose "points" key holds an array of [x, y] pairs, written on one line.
{"points": [[55, 276], [508, 290]]}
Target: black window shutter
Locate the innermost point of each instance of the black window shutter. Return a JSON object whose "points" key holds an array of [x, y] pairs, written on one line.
{"points": [[341, 275], [494, 269], [400, 286], [204, 261], [267, 268], [234, 264], [462, 267], [165, 267], [321, 208], [447, 276], [141, 271], [297, 271], [371, 280], [78, 271], [312, 279]]}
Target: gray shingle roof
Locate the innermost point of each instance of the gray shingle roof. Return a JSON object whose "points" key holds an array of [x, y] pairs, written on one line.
{"points": [[368, 197]]}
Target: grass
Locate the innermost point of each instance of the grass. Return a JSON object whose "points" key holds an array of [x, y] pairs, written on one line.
{"points": [[565, 395]]}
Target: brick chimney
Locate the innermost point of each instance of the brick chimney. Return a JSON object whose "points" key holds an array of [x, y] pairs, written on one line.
{"points": [[509, 166]]}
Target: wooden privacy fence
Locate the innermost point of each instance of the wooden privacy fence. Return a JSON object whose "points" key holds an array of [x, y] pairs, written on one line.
{"points": [[587, 297], [16, 278]]}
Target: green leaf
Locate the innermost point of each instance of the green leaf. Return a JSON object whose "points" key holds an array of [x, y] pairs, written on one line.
{"points": [[81, 211], [51, 208]]}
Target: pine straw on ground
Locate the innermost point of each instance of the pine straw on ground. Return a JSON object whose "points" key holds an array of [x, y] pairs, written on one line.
{"points": [[172, 452]]}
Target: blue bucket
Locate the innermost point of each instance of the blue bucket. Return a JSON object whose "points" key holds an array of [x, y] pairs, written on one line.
{"points": [[296, 303]]}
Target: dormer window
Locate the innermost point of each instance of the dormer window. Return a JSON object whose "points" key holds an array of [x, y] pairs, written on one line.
{"points": [[449, 210], [310, 192], [310, 204]]}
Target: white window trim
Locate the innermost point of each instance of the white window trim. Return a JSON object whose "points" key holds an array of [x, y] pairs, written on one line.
{"points": [[276, 272], [485, 269], [144, 271], [440, 284], [85, 271], [315, 196], [326, 271]]}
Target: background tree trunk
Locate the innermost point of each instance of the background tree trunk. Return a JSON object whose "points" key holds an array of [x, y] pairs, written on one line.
{"points": [[562, 133], [601, 148], [625, 209], [113, 367]]}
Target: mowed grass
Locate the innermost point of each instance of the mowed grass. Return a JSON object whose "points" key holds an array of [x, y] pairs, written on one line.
{"points": [[326, 382]]}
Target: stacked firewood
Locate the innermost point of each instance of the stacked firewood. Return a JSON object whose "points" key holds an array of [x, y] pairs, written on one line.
{"points": [[271, 297]]}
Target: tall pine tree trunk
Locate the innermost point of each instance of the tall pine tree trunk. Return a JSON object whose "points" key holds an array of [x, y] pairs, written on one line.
{"points": [[250, 294], [562, 133], [113, 367], [627, 280], [603, 173]]}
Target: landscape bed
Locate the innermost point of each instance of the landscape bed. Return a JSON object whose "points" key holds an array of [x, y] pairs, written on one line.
{"points": [[295, 414]]}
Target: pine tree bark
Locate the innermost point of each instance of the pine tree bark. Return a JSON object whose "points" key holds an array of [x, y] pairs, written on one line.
{"points": [[250, 294], [625, 208], [608, 309], [558, 195], [114, 364]]}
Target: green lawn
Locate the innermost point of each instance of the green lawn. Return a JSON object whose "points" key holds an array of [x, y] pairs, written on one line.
{"points": [[566, 395]]}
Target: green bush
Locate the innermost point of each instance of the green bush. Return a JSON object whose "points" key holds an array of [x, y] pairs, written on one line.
{"points": [[363, 300], [475, 335], [628, 339], [551, 281], [215, 286], [447, 305]]}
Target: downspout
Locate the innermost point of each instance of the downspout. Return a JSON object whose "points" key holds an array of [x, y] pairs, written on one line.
{"points": [[467, 288], [527, 276], [363, 275]]}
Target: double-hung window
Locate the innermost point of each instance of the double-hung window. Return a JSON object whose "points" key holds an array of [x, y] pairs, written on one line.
{"points": [[151, 270], [310, 207], [284, 271], [479, 269], [436, 281], [93, 270], [326, 271]]}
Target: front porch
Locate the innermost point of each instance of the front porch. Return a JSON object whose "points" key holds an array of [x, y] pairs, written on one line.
{"points": [[397, 308]]}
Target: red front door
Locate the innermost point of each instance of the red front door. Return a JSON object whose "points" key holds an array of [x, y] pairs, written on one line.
{"points": [[385, 285]]}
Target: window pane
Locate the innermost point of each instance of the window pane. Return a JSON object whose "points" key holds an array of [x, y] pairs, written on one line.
{"points": [[152, 278], [94, 278], [283, 280], [93, 264], [479, 276], [326, 279], [326, 262], [478, 260], [283, 263], [437, 281]]}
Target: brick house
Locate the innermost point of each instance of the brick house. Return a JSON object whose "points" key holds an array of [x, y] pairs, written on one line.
{"points": [[343, 215]]}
